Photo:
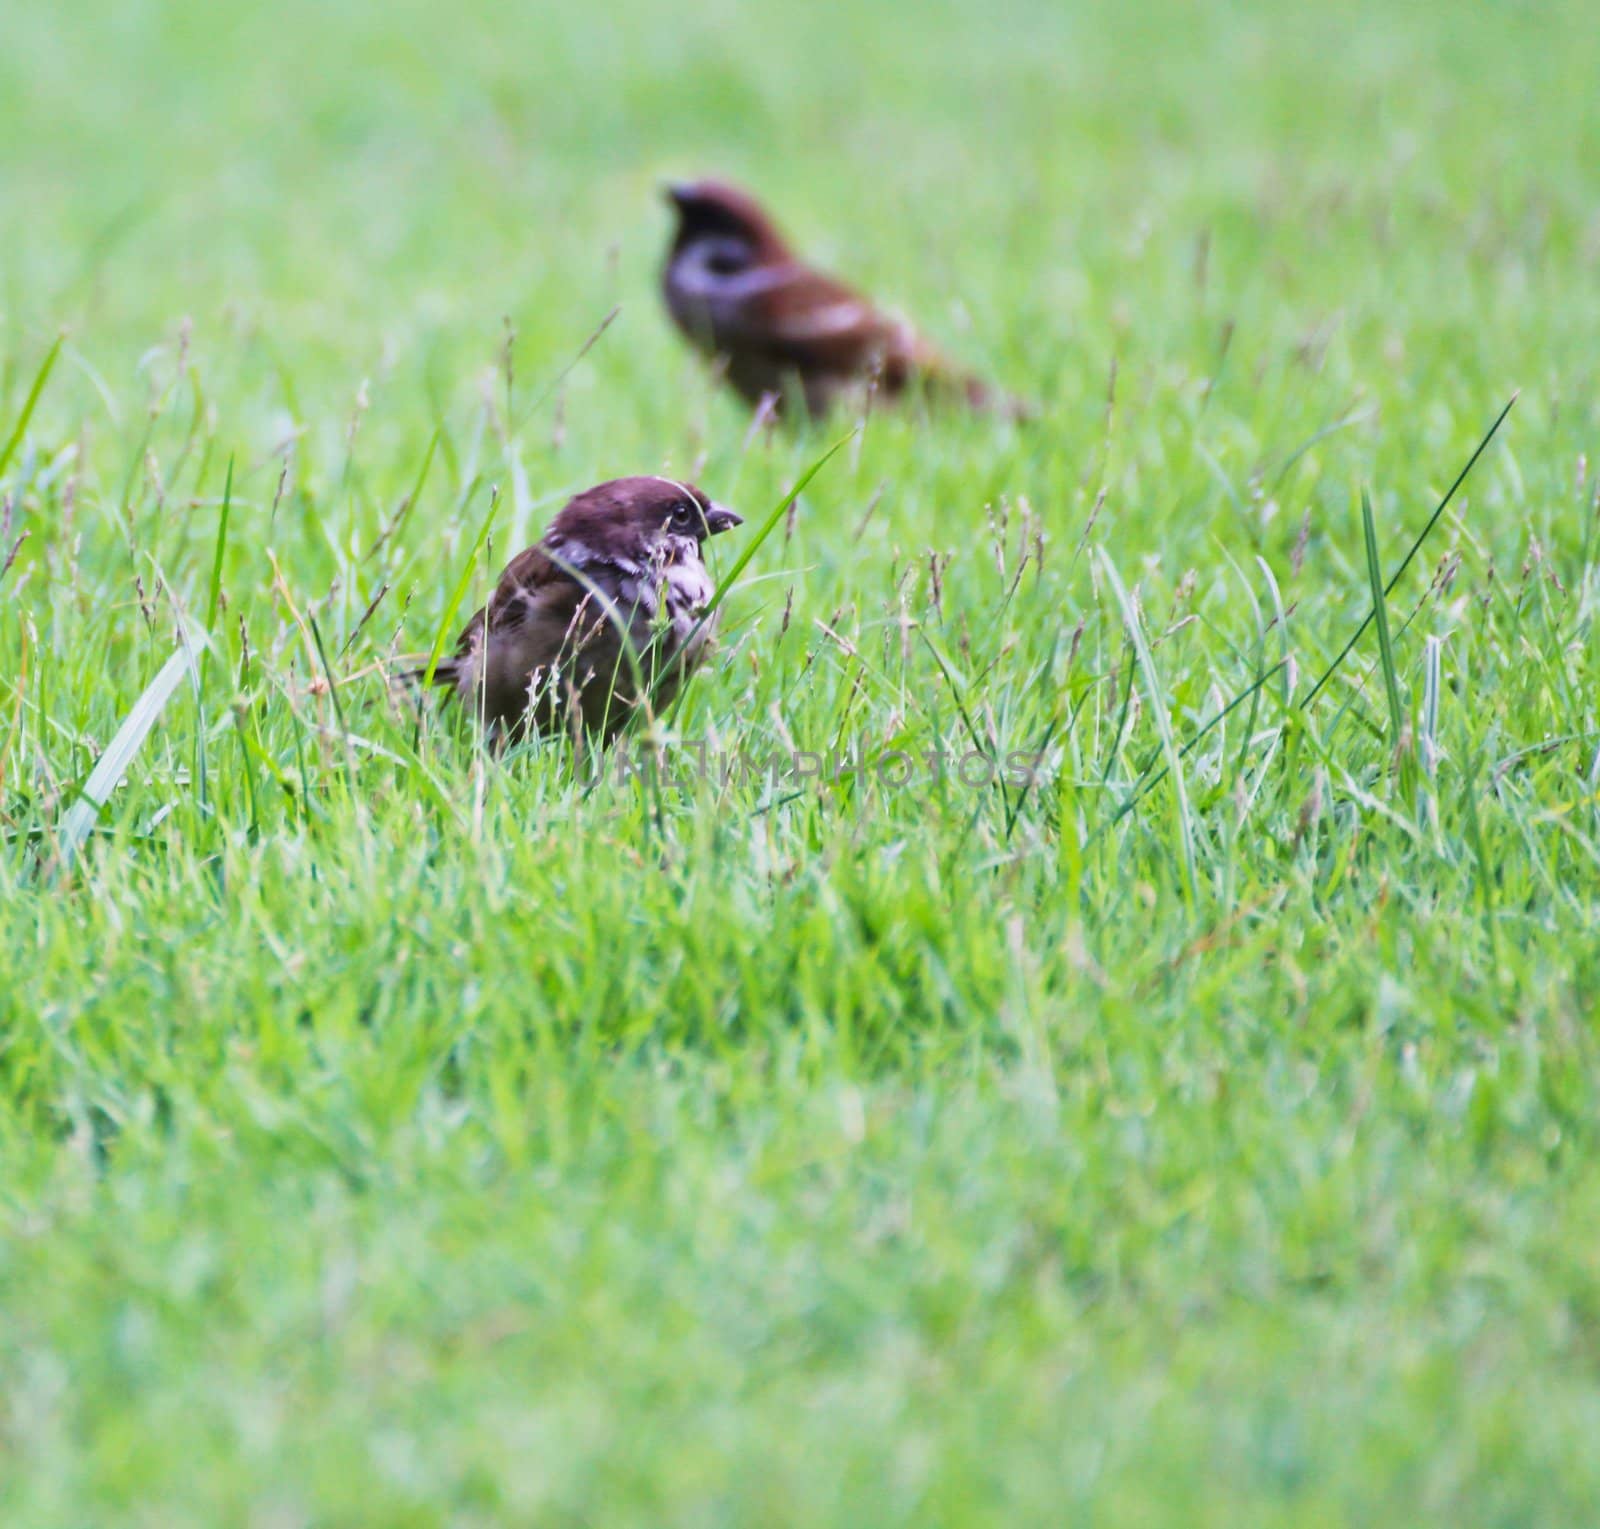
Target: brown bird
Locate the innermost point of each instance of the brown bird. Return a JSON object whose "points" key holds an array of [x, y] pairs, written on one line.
{"points": [[740, 293], [605, 615]]}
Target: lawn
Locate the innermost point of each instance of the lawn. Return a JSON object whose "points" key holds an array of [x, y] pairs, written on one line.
{"points": [[1203, 1131]]}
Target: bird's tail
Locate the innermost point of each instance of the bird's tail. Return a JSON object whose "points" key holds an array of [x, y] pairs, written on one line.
{"points": [[953, 384], [446, 672], [988, 399]]}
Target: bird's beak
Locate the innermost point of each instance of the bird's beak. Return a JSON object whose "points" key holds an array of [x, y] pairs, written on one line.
{"points": [[720, 518], [679, 193]]}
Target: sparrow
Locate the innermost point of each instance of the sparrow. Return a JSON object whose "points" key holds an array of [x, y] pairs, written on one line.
{"points": [[605, 615], [740, 294]]}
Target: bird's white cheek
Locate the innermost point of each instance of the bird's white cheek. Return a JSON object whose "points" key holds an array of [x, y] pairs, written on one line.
{"points": [[688, 594], [689, 585]]}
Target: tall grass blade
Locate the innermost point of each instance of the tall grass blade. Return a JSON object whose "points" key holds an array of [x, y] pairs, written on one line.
{"points": [[1485, 877], [1416, 546], [1163, 721], [1428, 724], [1380, 608], [447, 622], [29, 403], [333, 684], [411, 499], [1148, 782], [767, 527], [214, 593], [112, 765], [770, 524], [1428, 727], [1142, 788]]}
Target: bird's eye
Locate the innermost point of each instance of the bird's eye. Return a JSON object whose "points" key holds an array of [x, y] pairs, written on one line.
{"points": [[683, 513]]}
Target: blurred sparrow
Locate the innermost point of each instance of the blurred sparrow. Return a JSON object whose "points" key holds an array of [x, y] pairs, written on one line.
{"points": [[740, 294], [604, 615]]}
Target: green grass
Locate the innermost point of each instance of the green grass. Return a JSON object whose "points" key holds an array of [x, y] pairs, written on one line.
{"points": [[1204, 1135]]}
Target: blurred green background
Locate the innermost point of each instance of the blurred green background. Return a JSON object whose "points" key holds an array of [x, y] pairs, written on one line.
{"points": [[388, 1137], [374, 187]]}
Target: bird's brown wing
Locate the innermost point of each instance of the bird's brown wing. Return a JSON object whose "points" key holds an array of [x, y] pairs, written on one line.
{"points": [[529, 575], [533, 591], [809, 320], [816, 324], [542, 620]]}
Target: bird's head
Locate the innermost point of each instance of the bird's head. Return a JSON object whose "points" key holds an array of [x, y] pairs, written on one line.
{"points": [[637, 522], [714, 210]]}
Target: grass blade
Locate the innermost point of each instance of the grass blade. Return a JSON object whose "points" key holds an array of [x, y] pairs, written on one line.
{"points": [[47, 366], [768, 526], [409, 503], [1148, 782], [1163, 721], [1380, 610], [333, 684], [1143, 787], [214, 593], [112, 765], [1416, 546], [447, 621], [1428, 729], [1485, 872]]}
